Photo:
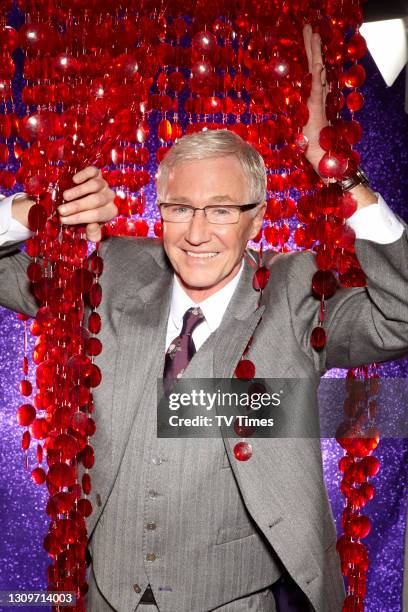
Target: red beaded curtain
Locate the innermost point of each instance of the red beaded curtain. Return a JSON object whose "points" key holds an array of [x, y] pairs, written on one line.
{"points": [[99, 80]]}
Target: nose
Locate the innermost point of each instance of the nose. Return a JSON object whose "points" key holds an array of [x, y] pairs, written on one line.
{"points": [[198, 230]]}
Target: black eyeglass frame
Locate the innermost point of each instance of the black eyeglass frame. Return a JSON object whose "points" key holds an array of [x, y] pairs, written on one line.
{"points": [[240, 207]]}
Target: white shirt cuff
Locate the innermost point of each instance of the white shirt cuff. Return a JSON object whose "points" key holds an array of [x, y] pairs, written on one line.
{"points": [[11, 230], [376, 222]]}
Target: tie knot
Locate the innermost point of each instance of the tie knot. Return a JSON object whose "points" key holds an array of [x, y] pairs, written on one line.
{"points": [[192, 317]]}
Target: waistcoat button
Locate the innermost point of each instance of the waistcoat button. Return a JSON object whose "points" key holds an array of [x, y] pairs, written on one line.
{"points": [[150, 557], [153, 494], [137, 588], [151, 526]]}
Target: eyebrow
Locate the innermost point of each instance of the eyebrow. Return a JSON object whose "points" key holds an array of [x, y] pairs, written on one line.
{"points": [[184, 200]]}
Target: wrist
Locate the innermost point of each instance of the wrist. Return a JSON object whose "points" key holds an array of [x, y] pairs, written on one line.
{"points": [[358, 186], [20, 206], [364, 196], [314, 154], [355, 178]]}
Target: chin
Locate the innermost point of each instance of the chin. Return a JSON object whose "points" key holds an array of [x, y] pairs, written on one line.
{"points": [[197, 280]]}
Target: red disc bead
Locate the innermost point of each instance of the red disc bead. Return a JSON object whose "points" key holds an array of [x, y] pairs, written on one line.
{"points": [[318, 338], [243, 451], [245, 369]]}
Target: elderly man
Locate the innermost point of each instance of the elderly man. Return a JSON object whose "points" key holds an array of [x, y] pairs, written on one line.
{"points": [[181, 525]]}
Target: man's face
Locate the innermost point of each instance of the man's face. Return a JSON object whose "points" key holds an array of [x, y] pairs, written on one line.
{"points": [[206, 256]]}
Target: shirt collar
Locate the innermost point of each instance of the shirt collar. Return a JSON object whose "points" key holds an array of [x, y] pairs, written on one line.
{"points": [[213, 308]]}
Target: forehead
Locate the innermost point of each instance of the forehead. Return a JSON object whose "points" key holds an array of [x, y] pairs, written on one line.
{"points": [[208, 178]]}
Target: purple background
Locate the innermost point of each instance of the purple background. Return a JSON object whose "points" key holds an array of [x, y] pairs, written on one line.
{"points": [[23, 520]]}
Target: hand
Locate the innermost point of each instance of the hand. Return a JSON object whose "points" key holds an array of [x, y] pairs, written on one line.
{"points": [[317, 101], [90, 202]]}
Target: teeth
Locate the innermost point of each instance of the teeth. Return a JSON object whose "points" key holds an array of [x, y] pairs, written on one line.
{"points": [[201, 255]]}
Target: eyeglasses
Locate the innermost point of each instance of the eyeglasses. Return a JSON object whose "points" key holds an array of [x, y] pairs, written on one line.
{"points": [[220, 215]]}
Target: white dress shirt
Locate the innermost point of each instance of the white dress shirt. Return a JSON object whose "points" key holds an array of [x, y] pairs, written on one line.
{"points": [[376, 222]]}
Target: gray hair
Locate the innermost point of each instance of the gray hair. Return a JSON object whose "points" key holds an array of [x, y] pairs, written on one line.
{"points": [[216, 143]]}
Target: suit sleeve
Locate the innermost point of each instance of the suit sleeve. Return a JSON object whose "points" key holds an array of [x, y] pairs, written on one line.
{"points": [[14, 285], [15, 291], [363, 324]]}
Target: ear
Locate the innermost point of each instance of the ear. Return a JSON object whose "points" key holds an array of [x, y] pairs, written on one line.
{"points": [[257, 220]]}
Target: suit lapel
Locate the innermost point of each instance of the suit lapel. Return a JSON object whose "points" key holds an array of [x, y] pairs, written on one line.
{"points": [[142, 337], [237, 326]]}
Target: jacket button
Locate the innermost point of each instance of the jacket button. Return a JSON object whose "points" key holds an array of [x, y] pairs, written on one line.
{"points": [[150, 557], [98, 500], [137, 588]]}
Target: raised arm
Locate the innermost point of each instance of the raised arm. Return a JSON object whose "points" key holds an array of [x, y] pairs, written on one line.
{"points": [[89, 202], [363, 324], [317, 112]]}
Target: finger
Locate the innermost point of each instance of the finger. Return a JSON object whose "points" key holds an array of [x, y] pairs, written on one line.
{"points": [[90, 202], [317, 87], [91, 186], [97, 215], [307, 39], [317, 57], [85, 174], [93, 232]]}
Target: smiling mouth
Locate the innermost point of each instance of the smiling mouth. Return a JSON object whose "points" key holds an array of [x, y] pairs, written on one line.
{"points": [[209, 255]]}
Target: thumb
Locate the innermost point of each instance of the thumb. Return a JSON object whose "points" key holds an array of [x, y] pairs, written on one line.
{"points": [[93, 232]]}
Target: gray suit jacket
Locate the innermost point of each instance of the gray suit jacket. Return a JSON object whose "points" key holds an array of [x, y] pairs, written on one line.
{"points": [[282, 485]]}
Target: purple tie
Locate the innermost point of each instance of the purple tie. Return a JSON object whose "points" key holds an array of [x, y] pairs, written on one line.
{"points": [[181, 349]]}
